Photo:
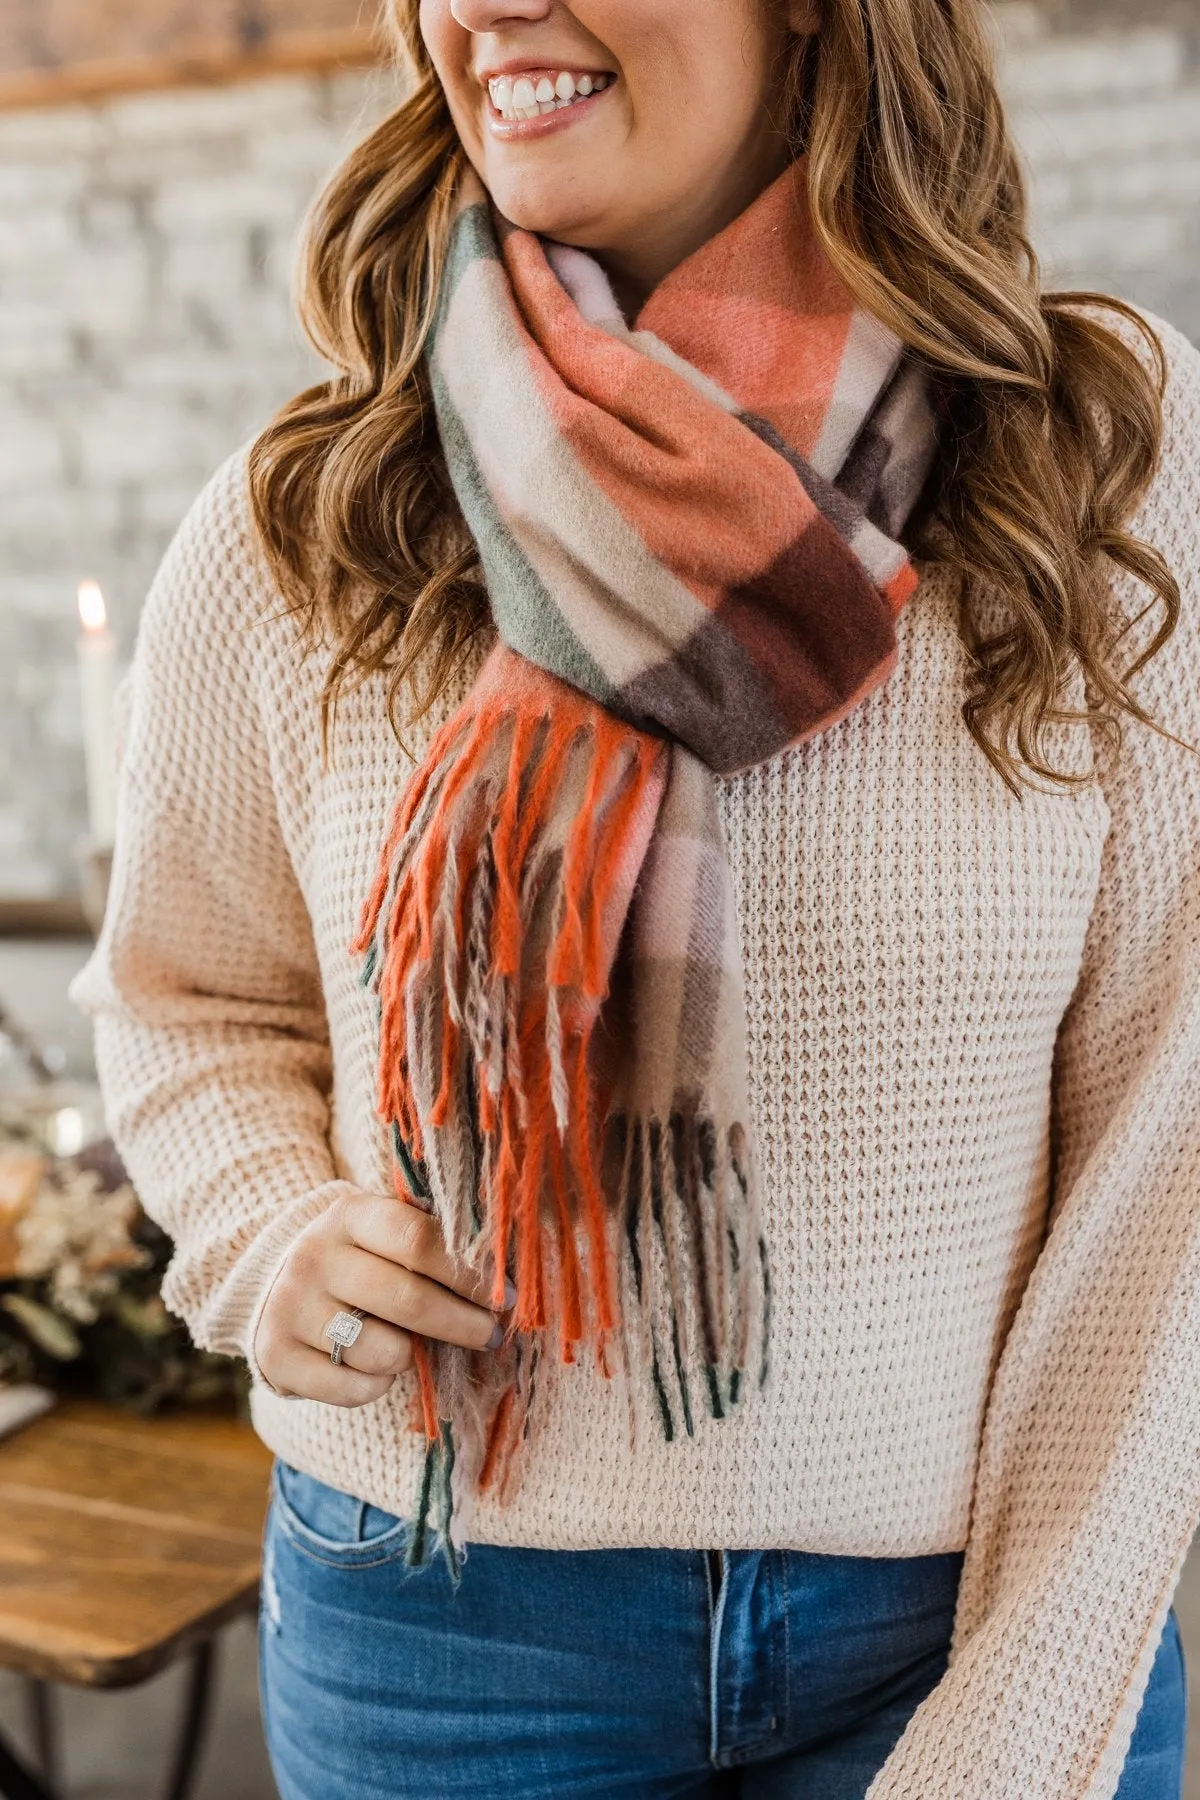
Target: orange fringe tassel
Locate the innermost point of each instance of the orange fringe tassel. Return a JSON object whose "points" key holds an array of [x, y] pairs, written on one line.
{"points": [[475, 811]]}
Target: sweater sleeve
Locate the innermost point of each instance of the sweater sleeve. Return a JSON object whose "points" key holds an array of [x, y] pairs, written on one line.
{"points": [[211, 1039], [1088, 1486]]}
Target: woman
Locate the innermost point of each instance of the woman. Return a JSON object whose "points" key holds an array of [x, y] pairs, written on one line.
{"points": [[699, 1141]]}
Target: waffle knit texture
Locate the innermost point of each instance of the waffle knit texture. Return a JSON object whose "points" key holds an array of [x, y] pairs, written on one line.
{"points": [[974, 1046], [680, 587]]}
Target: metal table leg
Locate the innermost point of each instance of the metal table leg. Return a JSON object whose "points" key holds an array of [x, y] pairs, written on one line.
{"points": [[16, 1781], [196, 1708], [43, 1721]]}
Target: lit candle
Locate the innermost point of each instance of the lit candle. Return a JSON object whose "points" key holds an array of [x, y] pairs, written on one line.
{"points": [[97, 653]]}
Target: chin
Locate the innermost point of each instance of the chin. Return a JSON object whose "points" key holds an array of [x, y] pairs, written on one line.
{"points": [[543, 206]]}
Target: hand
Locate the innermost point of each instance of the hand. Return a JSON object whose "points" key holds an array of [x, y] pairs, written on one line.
{"points": [[389, 1259]]}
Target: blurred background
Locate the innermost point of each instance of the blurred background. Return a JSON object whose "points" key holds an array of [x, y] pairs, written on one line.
{"points": [[156, 157]]}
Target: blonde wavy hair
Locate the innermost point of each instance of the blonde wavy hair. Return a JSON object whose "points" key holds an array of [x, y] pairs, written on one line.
{"points": [[1052, 424]]}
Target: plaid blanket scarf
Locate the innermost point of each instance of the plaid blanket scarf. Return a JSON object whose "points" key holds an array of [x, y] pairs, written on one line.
{"points": [[689, 532]]}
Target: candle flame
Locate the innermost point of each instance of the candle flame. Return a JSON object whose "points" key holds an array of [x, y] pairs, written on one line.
{"points": [[91, 606]]}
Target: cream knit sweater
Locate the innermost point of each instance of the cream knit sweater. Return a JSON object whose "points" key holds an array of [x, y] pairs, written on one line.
{"points": [[970, 1014]]}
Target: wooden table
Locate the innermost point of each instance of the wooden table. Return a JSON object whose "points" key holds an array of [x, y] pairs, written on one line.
{"points": [[125, 1544]]}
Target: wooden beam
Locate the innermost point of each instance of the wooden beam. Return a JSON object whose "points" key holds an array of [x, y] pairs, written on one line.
{"points": [[57, 918], [54, 52], [1118, 15]]}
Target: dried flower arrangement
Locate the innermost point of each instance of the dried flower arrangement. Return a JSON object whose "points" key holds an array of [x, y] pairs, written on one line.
{"points": [[80, 1272]]}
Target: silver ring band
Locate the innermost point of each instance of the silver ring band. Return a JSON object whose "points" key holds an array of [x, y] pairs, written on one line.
{"points": [[344, 1330]]}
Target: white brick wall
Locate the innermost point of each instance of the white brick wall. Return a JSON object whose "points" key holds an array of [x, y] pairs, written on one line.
{"points": [[145, 330], [1110, 128], [146, 326]]}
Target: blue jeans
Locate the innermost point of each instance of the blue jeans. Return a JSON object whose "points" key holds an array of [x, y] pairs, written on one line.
{"points": [[620, 1674]]}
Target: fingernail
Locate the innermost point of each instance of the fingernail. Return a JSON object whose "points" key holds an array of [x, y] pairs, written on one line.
{"points": [[510, 1293], [497, 1337]]}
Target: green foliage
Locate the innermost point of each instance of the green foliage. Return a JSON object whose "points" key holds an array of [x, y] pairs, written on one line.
{"points": [[82, 1310]]}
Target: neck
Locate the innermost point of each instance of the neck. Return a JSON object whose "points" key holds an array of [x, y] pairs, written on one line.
{"points": [[636, 267]]}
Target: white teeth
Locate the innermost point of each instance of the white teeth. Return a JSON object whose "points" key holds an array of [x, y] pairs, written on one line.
{"points": [[521, 98]]}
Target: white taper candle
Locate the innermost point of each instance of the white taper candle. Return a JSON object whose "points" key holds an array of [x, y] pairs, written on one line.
{"points": [[96, 650]]}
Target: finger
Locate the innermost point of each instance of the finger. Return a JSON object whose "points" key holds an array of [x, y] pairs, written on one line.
{"points": [[379, 1349], [403, 1297], [413, 1238], [307, 1375]]}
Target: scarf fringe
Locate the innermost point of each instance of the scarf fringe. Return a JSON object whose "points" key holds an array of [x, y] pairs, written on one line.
{"points": [[489, 946]]}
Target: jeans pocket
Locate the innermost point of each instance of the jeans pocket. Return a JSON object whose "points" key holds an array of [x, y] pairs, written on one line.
{"points": [[332, 1527]]}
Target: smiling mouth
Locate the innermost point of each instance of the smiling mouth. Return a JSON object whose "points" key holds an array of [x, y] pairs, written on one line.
{"points": [[516, 98]]}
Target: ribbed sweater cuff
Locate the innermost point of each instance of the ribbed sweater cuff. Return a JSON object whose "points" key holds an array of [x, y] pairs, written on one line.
{"points": [[229, 1321]]}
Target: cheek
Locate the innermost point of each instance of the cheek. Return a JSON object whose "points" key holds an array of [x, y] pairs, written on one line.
{"points": [[696, 71], [449, 46], [432, 16]]}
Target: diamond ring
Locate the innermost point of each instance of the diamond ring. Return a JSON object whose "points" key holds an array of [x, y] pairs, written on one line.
{"points": [[344, 1329]]}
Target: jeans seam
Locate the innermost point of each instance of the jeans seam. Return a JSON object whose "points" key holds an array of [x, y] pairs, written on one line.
{"points": [[772, 1647], [714, 1651], [787, 1642]]}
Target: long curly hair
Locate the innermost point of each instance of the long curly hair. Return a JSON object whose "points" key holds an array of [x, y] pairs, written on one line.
{"points": [[1052, 423]]}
